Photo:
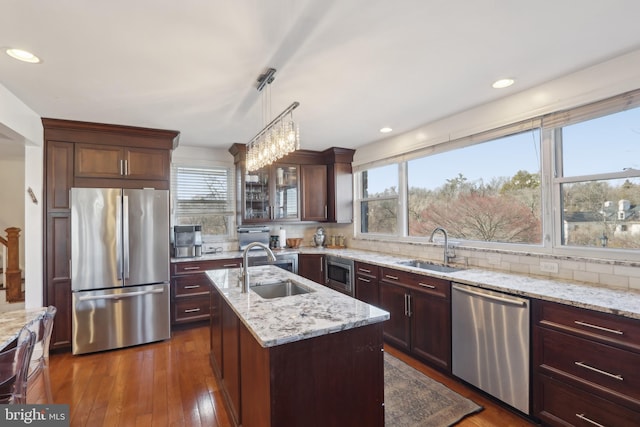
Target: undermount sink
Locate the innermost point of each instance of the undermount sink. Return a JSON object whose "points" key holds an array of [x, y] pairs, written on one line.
{"points": [[424, 265], [280, 289]]}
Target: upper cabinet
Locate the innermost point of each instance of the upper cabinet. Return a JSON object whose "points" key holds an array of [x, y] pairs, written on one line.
{"points": [[303, 186], [108, 161]]}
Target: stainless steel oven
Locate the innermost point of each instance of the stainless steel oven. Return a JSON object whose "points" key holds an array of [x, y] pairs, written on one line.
{"points": [[339, 274]]}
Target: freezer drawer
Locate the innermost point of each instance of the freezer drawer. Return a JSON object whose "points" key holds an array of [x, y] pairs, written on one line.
{"points": [[120, 317]]}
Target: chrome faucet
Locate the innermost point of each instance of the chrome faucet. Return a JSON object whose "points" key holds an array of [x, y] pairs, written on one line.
{"points": [[244, 275], [446, 243]]}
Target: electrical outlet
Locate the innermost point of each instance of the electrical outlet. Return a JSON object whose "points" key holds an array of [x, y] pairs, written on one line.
{"points": [[549, 267]]}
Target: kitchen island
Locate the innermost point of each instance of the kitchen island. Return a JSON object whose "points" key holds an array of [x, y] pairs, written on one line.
{"points": [[312, 359]]}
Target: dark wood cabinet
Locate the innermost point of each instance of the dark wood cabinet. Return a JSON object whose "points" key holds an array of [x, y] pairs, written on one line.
{"points": [[190, 289], [69, 162], [366, 283], [313, 192], [311, 266], [585, 366], [109, 161], [420, 308], [307, 382], [322, 191]]}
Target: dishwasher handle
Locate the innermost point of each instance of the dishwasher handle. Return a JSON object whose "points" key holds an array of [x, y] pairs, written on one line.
{"points": [[513, 301]]}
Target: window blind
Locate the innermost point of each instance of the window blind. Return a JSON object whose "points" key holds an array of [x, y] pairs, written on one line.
{"points": [[202, 191]]}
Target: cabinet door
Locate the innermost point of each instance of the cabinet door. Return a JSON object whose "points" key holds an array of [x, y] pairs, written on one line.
{"points": [[286, 201], [146, 163], [367, 289], [431, 328], [98, 161], [256, 198], [314, 192], [394, 299], [231, 359], [311, 266]]}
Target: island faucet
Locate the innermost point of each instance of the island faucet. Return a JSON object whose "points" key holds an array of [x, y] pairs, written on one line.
{"points": [[244, 275], [446, 243]]}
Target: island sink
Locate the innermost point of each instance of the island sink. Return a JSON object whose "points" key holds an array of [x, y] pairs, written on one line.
{"points": [[424, 265], [280, 289]]}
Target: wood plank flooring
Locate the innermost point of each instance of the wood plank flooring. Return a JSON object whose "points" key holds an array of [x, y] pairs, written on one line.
{"points": [[170, 383]]}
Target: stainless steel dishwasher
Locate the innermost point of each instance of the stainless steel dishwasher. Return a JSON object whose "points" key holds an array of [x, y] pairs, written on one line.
{"points": [[490, 345]]}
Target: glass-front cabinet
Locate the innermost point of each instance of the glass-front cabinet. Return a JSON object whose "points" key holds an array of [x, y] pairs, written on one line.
{"points": [[272, 194]]}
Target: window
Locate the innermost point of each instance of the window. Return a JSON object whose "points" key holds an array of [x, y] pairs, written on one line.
{"points": [[488, 191], [379, 200], [203, 195], [566, 183], [599, 181]]}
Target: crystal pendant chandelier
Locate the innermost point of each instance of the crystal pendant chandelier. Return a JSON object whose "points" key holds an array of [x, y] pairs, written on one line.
{"points": [[277, 139]]}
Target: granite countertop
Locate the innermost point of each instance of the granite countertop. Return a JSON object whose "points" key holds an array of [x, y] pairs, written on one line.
{"points": [[599, 298], [11, 322], [279, 321]]}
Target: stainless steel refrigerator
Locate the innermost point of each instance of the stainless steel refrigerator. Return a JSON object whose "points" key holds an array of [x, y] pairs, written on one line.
{"points": [[119, 267]]}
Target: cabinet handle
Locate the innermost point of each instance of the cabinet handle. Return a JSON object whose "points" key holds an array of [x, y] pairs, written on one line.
{"points": [[582, 417], [405, 304], [591, 368], [192, 286], [230, 265], [426, 285], [121, 167], [192, 310], [600, 328], [390, 277], [191, 268], [321, 264], [364, 270], [126, 167], [408, 296], [362, 279]]}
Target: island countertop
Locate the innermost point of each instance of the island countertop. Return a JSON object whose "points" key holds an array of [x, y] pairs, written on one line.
{"points": [[297, 317]]}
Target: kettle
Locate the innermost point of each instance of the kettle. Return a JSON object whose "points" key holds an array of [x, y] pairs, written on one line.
{"points": [[319, 237]]}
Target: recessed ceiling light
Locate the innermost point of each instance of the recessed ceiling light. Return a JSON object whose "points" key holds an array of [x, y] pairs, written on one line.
{"points": [[23, 55], [502, 83], [386, 129]]}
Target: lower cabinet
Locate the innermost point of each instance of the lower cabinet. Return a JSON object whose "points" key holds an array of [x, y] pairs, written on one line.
{"points": [[190, 288], [311, 266], [420, 308], [585, 367]]}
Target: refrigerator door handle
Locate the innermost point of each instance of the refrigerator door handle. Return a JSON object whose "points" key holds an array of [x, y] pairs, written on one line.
{"points": [[119, 237], [125, 233], [121, 296]]}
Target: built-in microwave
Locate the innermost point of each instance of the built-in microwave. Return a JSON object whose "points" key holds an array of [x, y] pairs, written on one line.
{"points": [[339, 274]]}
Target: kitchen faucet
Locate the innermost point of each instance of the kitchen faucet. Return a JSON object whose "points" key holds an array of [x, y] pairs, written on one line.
{"points": [[446, 244], [244, 275]]}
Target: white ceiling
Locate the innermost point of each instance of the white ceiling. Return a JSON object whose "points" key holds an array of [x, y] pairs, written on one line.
{"points": [[354, 65]]}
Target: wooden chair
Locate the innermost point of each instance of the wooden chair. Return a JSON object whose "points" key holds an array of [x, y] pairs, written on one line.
{"points": [[39, 364], [14, 368]]}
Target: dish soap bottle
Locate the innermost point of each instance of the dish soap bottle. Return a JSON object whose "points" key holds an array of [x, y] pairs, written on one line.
{"points": [[283, 238]]}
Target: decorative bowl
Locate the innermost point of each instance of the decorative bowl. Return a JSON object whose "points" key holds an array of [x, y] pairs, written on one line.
{"points": [[294, 243]]}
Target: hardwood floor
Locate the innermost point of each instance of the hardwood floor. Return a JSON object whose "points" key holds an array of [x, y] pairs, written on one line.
{"points": [[170, 383]]}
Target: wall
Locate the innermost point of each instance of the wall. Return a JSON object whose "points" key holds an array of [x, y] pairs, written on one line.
{"points": [[594, 83], [12, 199], [27, 129]]}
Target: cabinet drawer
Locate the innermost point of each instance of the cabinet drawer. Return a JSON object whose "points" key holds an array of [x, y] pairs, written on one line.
{"points": [[603, 369], [191, 284], [562, 405], [366, 270], [199, 266], [602, 327], [432, 285], [191, 309]]}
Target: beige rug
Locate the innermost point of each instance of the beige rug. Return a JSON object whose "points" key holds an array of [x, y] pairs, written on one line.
{"points": [[413, 399]]}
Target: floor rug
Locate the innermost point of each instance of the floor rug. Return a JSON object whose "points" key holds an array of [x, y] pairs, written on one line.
{"points": [[413, 399]]}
